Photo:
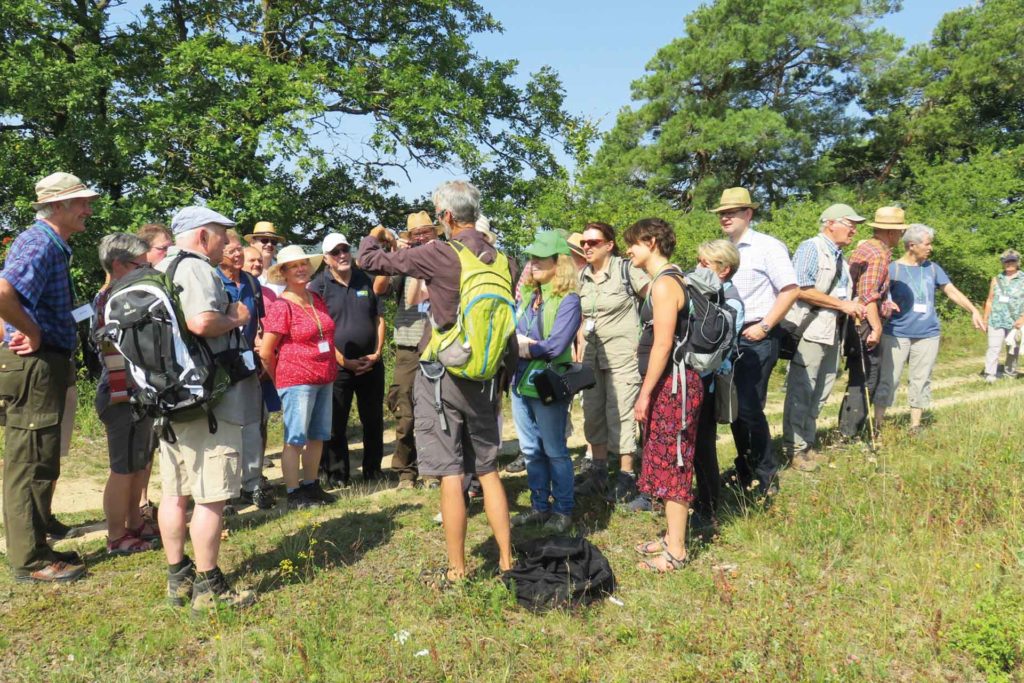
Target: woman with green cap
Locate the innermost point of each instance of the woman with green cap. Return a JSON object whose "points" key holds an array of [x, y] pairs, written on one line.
{"points": [[548, 319]]}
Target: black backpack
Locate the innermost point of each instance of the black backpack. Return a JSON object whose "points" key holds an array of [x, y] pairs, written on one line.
{"points": [[559, 572]]}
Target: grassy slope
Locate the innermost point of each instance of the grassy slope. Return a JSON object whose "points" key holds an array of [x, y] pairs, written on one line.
{"points": [[868, 570]]}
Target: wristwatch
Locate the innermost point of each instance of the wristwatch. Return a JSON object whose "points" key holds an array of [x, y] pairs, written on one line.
{"points": [[765, 327]]}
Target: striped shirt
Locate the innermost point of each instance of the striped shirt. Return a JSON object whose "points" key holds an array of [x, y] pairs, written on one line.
{"points": [[765, 270]]}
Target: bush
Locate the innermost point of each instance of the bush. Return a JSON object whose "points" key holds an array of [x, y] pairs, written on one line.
{"points": [[994, 635]]}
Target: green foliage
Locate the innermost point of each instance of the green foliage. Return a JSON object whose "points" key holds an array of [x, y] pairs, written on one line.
{"points": [[994, 635]]}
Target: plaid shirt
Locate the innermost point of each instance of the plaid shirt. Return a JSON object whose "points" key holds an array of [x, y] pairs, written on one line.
{"points": [[805, 263], [869, 268], [37, 268], [765, 269]]}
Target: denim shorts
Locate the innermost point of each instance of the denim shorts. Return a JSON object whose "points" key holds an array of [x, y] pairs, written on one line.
{"points": [[306, 409]]}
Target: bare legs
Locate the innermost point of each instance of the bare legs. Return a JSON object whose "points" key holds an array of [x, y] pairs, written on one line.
{"points": [[453, 513], [309, 455]]}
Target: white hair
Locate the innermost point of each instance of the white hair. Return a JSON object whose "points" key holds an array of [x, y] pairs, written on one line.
{"points": [[461, 198], [46, 210], [120, 247], [916, 233]]}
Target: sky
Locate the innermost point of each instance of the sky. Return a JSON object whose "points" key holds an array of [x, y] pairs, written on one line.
{"points": [[599, 47]]}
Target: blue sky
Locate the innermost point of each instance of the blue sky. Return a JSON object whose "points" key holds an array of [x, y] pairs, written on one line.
{"points": [[599, 47]]}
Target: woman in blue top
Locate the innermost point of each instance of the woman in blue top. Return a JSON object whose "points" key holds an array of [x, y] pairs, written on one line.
{"points": [[1004, 315], [548, 320], [912, 331]]}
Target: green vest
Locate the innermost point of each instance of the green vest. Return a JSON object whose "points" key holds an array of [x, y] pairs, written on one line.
{"points": [[549, 310]]}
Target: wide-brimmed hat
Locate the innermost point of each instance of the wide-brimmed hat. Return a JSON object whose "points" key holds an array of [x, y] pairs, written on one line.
{"points": [[57, 187], [264, 229], [889, 218], [574, 241], [734, 198], [483, 226], [420, 219], [548, 243], [290, 254], [838, 212]]}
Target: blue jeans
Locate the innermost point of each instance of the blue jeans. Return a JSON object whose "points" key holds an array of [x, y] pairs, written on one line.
{"points": [[541, 430]]}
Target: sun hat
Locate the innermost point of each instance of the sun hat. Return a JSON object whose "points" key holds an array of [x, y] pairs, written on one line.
{"points": [[574, 240], [420, 219], [1010, 255], [291, 254], [57, 187], [192, 217], [333, 240], [734, 198], [483, 225], [548, 243], [889, 218], [264, 229], [838, 212]]}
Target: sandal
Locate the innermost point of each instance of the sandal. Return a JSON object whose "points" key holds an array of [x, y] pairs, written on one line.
{"points": [[649, 548], [438, 579], [672, 563], [146, 531], [128, 544]]}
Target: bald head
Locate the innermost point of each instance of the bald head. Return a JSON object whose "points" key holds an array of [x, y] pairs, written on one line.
{"points": [[253, 261]]}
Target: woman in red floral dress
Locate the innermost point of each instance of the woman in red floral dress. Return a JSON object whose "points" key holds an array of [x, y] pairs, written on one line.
{"points": [[667, 471]]}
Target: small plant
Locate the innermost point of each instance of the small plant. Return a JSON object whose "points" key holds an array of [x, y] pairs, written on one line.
{"points": [[994, 635]]}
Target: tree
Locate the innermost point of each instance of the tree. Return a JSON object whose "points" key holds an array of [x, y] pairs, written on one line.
{"points": [[753, 94]]}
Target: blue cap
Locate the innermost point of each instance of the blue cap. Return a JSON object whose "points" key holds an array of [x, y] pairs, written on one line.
{"points": [[192, 217]]}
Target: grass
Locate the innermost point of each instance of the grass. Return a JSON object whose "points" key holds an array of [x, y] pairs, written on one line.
{"points": [[903, 568]]}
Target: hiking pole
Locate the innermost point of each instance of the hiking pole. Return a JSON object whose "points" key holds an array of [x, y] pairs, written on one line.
{"points": [[868, 407]]}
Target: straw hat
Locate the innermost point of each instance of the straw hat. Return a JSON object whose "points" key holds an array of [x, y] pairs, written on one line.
{"points": [[290, 254], [483, 226], [57, 187], [889, 218], [574, 243], [734, 198], [264, 229], [420, 219]]}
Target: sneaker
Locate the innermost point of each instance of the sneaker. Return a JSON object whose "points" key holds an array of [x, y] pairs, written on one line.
{"points": [[516, 466], [179, 584], [58, 531], [260, 497], [624, 489], [642, 503], [315, 492], [531, 517], [406, 485], [331, 481], [55, 572], [432, 483], [298, 500], [211, 590], [557, 523], [595, 483], [991, 379]]}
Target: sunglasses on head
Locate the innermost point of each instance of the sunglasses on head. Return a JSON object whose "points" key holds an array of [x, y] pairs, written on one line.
{"points": [[339, 250], [590, 244]]}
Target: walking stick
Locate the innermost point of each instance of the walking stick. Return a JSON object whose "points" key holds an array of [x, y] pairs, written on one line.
{"points": [[868, 407]]}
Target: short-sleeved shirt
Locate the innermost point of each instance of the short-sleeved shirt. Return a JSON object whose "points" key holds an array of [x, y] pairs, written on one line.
{"points": [[805, 263], [1007, 301], [913, 290], [354, 310], [604, 299], [765, 270], [37, 267], [244, 292], [299, 359]]}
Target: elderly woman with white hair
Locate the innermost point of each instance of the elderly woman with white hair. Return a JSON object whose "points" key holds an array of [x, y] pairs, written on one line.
{"points": [[912, 332], [1004, 315]]}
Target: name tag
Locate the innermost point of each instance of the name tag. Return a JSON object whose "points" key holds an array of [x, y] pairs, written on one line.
{"points": [[839, 292], [920, 308], [83, 312], [423, 307], [1003, 299], [249, 360], [590, 325], [324, 347], [362, 292]]}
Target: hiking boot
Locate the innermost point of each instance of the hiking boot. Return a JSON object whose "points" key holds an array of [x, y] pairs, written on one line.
{"points": [[179, 584], [642, 503], [298, 500], [315, 492], [330, 481], [261, 498], [58, 531], [531, 517], [211, 590], [594, 483], [624, 489], [406, 485], [516, 466], [55, 572], [68, 556], [557, 523], [803, 461]]}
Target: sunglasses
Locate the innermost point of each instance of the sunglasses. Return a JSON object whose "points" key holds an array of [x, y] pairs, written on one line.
{"points": [[264, 240], [339, 250], [590, 244]]}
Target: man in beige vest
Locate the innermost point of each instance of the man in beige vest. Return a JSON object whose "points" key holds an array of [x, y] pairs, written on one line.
{"points": [[817, 319]]}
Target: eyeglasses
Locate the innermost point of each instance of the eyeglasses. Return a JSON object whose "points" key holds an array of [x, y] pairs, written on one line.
{"points": [[264, 240], [339, 250], [590, 244]]}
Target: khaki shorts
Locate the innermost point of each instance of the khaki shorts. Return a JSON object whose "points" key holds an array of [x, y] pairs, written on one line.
{"points": [[470, 444], [608, 416], [206, 466]]}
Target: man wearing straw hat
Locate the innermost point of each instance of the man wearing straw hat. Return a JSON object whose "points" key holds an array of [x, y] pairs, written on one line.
{"points": [[265, 238], [39, 307], [767, 284], [869, 272]]}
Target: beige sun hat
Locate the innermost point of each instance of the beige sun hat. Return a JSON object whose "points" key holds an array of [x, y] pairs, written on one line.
{"points": [[420, 219], [483, 226], [58, 187], [263, 229], [574, 239], [734, 198], [889, 218], [291, 254]]}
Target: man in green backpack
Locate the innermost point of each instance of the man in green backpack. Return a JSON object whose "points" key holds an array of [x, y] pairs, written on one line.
{"points": [[467, 354]]}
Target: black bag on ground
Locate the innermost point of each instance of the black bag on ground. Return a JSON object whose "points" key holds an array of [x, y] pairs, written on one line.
{"points": [[559, 572], [553, 385]]}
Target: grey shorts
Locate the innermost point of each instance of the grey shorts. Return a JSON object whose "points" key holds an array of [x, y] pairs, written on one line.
{"points": [[471, 442], [129, 445]]}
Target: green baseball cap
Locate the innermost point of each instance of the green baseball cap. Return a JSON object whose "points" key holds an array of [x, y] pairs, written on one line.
{"points": [[838, 212], [547, 243]]}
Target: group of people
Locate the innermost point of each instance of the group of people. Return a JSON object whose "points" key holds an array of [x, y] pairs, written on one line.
{"points": [[320, 333]]}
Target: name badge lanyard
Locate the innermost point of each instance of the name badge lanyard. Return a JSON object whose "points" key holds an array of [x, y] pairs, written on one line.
{"points": [[921, 298], [323, 347]]}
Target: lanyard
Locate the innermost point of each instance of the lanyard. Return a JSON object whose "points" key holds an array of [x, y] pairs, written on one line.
{"points": [[314, 315], [48, 231], [920, 293]]}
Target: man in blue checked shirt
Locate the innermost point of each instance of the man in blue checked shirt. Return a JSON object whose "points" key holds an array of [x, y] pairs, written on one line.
{"points": [[818, 318], [37, 303]]}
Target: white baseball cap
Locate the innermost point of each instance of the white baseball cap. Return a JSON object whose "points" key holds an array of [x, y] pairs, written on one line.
{"points": [[333, 240]]}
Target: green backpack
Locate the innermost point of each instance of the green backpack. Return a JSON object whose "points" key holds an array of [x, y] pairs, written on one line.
{"points": [[474, 347]]}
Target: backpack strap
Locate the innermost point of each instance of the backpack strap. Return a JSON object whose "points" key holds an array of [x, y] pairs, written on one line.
{"points": [[677, 359], [627, 284]]}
